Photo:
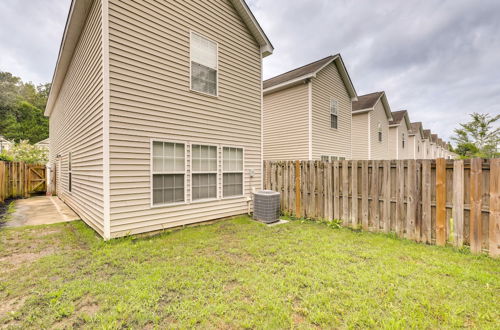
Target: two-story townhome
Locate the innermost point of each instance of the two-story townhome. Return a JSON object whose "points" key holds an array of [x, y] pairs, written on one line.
{"points": [[371, 115], [156, 111], [399, 130], [427, 144], [434, 146], [415, 141], [307, 112]]}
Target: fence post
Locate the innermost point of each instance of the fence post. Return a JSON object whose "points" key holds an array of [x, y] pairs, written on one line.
{"points": [[475, 205], [345, 192], [411, 205], [336, 190], [387, 196], [374, 216], [297, 189], [354, 200], [364, 195], [458, 202], [494, 227], [440, 201]]}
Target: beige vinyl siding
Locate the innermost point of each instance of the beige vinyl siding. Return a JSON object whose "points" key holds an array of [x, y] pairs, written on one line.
{"points": [[404, 153], [360, 136], [151, 99], [394, 141], [286, 124], [415, 141], [328, 85], [379, 150], [76, 126]]}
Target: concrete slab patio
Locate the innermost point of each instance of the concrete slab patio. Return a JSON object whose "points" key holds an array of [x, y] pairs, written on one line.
{"points": [[40, 210]]}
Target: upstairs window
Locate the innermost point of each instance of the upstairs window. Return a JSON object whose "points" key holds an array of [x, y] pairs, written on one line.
{"points": [[204, 172], [203, 65], [168, 173], [379, 129], [403, 140], [232, 179], [333, 114]]}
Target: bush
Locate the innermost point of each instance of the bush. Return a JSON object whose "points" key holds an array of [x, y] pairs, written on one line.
{"points": [[28, 153], [5, 157]]}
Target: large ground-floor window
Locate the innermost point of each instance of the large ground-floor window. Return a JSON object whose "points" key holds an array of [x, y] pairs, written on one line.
{"points": [[173, 181]]}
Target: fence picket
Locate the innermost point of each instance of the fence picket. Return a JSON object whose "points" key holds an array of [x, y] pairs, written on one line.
{"points": [[458, 203], [440, 201], [475, 205], [354, 200], [494, 227], [345, 192], [364, 195], [411, 206], [336, 189]]}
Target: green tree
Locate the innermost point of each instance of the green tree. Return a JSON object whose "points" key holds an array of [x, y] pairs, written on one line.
{"points": [[21, 109], [480, 137]]}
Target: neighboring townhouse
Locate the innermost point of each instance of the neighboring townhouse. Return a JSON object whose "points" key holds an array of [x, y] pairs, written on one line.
{"points": [[399, 130], [371, 115], [434, 146], [307, 112], [4, 144], [416, 141], [156, 111], [44, 144], [427, 154]]}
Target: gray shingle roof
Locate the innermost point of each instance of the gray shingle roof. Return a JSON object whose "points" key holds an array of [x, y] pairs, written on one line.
{"points": [[297, 73]]}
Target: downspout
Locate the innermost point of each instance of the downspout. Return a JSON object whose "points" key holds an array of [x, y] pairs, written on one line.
{"points": [[309, 118], [369, 136], [397, 142]]}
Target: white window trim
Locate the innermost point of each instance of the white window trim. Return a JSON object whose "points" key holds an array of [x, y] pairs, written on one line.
{"points": [[222, 173], [335, 114], [152, 205], [191, 32], [191, 172], [70, 172], [380, 133]]}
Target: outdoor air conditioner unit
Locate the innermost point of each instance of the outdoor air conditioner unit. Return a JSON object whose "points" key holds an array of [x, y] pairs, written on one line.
{"points": [[266, 206]]}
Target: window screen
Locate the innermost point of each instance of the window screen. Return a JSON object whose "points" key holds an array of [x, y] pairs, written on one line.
{"points": [[232, 172], [70, 172], [204, 172], [333, 114], [168, 172], [203, 65]]}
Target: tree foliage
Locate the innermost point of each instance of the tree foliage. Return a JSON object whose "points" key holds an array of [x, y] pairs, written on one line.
{"points": [[480, 137], [21, 109]]}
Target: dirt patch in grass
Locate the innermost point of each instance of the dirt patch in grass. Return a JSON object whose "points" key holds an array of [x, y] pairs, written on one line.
{"points": [[11, 306], [14, 261]]}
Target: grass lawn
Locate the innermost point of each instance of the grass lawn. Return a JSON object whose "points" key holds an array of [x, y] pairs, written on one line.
{"points": [[241, 274]]}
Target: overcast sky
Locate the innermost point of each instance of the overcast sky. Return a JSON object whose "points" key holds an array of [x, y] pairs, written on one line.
{"points": [[439, 59]]}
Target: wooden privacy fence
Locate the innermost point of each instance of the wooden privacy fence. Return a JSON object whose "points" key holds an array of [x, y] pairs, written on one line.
{"points": [[18, 179], [431, 201]]}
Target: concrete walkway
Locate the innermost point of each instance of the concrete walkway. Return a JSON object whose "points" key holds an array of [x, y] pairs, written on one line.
{"points": [[40, 210]]}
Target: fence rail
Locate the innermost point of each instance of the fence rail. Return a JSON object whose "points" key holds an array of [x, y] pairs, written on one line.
{"points": [[18, 179], [431, 201]]}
